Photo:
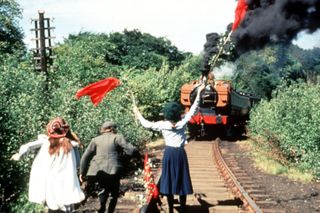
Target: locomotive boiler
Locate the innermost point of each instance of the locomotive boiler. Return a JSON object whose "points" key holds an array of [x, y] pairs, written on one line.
{"points": [[222, 109]]}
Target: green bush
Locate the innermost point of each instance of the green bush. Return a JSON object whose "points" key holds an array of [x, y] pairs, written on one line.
{"points": [[27, 207], [29, 99], [22, 111], [291, 122]]}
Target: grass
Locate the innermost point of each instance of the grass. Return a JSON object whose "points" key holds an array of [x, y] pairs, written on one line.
{"points": [[271, 166]]}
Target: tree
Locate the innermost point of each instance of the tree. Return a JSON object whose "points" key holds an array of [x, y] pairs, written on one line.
{"points": [[310, 62], [261, 71], [132, 49], [255, 73], [142, 50], [11, 36]]}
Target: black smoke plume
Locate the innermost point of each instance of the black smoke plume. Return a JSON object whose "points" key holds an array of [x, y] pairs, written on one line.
{"points": [[275, 21], [214, 42], [267, 21], [210, 48]]}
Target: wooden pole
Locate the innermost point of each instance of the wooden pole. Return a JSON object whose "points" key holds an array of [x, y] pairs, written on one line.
{"points": [[43, 56], [215, 59]]}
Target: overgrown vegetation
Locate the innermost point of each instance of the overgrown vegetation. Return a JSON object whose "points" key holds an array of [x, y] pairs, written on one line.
{"points": [[289, 124], [29, 99], [260, 72], [10, 32], [286, 122]]}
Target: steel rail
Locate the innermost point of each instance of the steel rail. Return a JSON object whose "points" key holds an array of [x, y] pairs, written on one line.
{"points": [[228, 175]]}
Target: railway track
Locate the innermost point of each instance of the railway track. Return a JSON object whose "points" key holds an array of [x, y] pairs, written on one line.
{"points": [[219, 184], [242, 185]]}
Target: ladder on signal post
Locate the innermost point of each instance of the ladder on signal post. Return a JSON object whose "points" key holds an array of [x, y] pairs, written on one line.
{"points": [[43, 52]]}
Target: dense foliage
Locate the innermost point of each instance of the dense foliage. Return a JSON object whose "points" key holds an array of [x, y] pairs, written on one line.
{"points": [[290, 124], [153, 70], [287, 78], [21, 119], [261, 71], [29, 99], [134, 49], [310, 62], [82, 60], [10, 33]]}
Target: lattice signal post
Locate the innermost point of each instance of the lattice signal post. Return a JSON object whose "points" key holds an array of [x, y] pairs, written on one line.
{"points": [[43, 54]]}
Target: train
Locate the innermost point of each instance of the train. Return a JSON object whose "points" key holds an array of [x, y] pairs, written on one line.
{"points": [[222, 110]]}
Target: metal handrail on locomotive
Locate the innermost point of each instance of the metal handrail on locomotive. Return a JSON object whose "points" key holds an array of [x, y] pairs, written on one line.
{"points": [[220, 105]]}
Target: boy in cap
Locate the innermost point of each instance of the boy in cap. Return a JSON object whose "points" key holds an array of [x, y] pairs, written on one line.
{"points": [[101, 163]]}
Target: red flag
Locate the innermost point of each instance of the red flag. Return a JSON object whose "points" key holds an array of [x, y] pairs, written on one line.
{"points": [[98, 90], [151, 187], [239, 13], [146, 159], [147, 169]]}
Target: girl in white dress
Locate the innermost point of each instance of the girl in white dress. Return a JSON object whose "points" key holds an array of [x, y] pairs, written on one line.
{"points": [[53, 178]]}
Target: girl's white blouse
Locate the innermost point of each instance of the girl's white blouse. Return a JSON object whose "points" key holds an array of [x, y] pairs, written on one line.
{"points": [[174, 135]]}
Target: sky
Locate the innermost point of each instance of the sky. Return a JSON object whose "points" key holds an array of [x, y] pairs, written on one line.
{"points": [[184, 22]]}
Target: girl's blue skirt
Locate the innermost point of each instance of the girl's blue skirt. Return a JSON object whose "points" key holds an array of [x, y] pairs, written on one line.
{"points": [[175, 177]]}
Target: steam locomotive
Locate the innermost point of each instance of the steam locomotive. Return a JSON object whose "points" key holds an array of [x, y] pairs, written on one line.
{"points": [[222, 109]]}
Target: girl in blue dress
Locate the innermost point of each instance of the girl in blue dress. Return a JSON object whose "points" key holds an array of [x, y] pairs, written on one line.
{"points": [[175, 177]]}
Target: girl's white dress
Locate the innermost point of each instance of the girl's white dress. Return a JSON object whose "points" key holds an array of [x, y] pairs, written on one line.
{"points": [[53, 178]]}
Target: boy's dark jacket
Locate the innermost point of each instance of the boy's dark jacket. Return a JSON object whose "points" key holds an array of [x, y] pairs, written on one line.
{"points": [[104, 153]]}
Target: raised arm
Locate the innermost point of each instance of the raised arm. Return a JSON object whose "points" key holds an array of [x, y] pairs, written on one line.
{"points": [[144, 122], [193, 108], [25, 148]]}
